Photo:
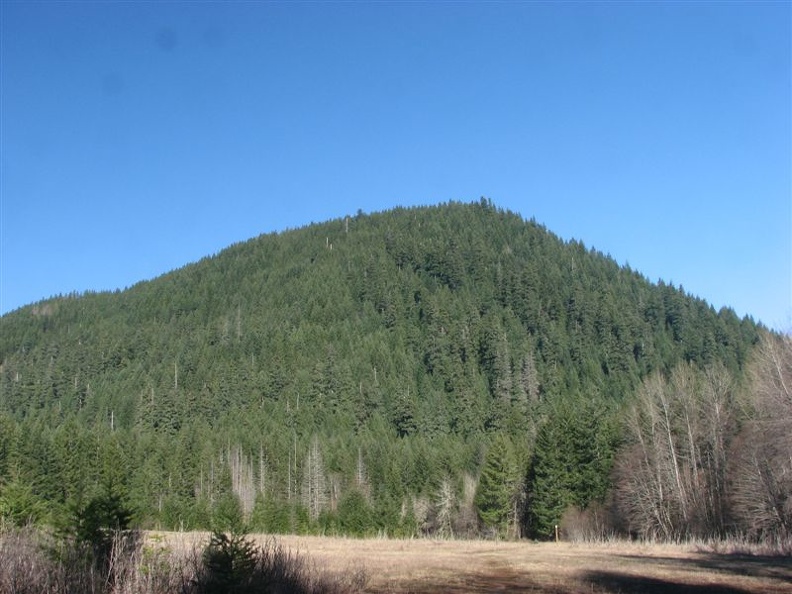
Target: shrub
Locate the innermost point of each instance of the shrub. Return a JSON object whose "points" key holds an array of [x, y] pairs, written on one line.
{"points": [[229, 563], [588, 525], [234, 564]]}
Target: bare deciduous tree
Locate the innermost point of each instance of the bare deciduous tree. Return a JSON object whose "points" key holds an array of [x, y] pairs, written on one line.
{"points": [[243, 482], [315, 490], [445, 506], [466, 521], [671, 480], [761, 468]]}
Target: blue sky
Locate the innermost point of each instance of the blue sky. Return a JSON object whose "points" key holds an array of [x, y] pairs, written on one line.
{"points": [[140, 136]]}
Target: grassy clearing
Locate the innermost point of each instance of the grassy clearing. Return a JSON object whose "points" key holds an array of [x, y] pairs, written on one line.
{"points": [[170, 562], [457, 566]]}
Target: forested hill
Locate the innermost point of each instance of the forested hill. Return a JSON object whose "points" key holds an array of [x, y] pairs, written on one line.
{"points": [[401, 339]]}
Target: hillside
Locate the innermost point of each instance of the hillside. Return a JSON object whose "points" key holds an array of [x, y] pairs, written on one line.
{"points": [[344, 375]]}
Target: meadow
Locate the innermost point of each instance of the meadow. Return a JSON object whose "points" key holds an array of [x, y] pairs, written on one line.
{"points": [[424, 566]]}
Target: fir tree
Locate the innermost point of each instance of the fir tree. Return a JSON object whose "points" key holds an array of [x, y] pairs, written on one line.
{"points": [[498, 487]]}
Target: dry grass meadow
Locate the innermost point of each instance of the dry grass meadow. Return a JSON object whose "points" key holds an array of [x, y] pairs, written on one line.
{"points": [[457, 566]]}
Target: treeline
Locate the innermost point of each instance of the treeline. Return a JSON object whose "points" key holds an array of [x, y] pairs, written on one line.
{"points": [[446, 370]]}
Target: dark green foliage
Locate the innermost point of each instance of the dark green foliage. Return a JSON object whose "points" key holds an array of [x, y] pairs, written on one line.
{"points": [[19, 506], [99, 518], [228, 513], [234, 564], [230, 564], [571, 463], [97, 530], [354, 515], [273, 516], [499, 486], [404, 339]]}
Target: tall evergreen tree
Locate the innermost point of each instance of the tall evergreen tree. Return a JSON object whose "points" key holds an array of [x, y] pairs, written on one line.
{"points": [[499, 487], [570, 465]]}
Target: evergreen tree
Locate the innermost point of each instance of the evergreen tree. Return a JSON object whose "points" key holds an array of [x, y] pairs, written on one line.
{"points": [[570, 465], [498, 487], [354, 515]]}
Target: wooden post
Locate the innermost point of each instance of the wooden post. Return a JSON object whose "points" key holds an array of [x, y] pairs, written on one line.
{"points": [[556, 532]]}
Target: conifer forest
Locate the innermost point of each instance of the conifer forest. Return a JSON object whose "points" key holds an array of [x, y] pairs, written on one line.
{"points": [[453, 370]]}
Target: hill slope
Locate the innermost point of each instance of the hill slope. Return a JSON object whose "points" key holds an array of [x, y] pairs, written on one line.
{"points": [[375, 354]]}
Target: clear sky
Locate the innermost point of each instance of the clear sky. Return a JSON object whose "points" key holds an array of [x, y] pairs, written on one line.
{"points": [[140, 136]]}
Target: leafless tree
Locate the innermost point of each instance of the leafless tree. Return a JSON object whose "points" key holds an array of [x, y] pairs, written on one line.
{"points": [[243, 482], [761, 468], [529, 378], [445, 503], [671, 478], [361, 476], [314, 488], [466, 519]]}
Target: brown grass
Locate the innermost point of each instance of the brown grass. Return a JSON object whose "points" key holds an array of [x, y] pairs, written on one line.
{"points": [[455, 566]]}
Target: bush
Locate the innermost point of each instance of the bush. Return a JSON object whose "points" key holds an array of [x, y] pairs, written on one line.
{"points": [[229, 564], [23, 568], [234, 564], [589, 525], [35, 561]]}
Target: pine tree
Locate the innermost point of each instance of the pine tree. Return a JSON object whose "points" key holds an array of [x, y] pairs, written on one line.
{"points": [[354, 515], [571, 463], [498, 487]]}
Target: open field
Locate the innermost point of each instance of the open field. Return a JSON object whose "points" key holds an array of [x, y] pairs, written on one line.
{"points": [[461, 567]]}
